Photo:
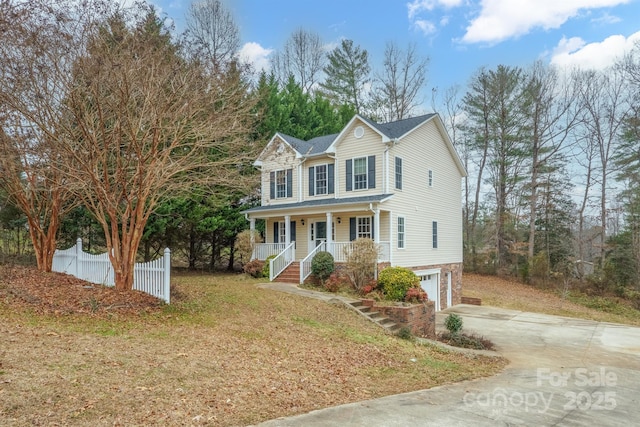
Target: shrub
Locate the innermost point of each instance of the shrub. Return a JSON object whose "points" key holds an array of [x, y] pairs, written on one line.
{"points": [[244, 247], [453, 323], [254, 268], [405, 333], [415, 295], [361, 262], [634, 297], [322, 265], [267, 265], [335, 282], [396, 281]]}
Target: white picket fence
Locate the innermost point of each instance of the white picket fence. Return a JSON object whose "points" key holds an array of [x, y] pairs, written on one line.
{"points": [[150, 277]]}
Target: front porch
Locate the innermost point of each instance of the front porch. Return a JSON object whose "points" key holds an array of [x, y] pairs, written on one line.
{"points": [[301, 269], [296, 232]]}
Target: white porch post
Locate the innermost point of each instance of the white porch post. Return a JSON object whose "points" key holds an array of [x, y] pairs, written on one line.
{"points": [[287, 229], [252, 229], [376, 236], [329, 245], [376, 225]]}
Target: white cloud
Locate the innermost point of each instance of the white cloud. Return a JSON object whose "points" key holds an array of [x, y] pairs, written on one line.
{"points": [[426, 27], [503, 19], [417, 6], [606, 19], [574, 52], [256, 55]]}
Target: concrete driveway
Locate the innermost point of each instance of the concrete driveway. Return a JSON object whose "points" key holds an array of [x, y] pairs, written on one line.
{"points": [[563, 372]]}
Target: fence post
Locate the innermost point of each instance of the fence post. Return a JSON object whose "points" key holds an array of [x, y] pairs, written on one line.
{"points": [[78, 257], [167, 275]]}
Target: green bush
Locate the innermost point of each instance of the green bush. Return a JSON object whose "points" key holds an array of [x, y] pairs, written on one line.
{"points": [[267, 264], [396, 281], [405, 333], [322, 265], [453, 323]]}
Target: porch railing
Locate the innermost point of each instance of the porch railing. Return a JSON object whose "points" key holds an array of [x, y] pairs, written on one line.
{"points": [[305, 264], [282, 261], [263, 251]]}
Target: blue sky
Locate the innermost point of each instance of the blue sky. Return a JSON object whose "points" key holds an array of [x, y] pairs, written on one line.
{"points": [[458, 36]]}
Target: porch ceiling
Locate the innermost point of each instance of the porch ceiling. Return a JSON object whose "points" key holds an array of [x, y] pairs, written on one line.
{"points": [[318, 206]]}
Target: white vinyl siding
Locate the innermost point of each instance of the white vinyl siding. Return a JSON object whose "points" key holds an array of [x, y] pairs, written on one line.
{"points": [[420, 205]]}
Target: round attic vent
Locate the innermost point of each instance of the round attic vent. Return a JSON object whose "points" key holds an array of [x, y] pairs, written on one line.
{"points": [[358, 132]]}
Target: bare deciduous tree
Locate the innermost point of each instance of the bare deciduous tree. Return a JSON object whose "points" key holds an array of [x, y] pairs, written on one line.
{"points": [[552, 114], [214, 31], [117, 117], [303, 57], [605, 106], [36, 47], [399, 85]]}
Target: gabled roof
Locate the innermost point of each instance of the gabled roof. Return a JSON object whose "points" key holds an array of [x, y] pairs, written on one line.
{"points": [[398, 128], [392, 131]]}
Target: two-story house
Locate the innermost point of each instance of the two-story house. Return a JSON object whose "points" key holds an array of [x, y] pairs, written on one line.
{"points": [[397, 183]]}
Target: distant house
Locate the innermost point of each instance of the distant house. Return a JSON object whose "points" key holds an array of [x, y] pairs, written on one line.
{"points": [[397, 183]]}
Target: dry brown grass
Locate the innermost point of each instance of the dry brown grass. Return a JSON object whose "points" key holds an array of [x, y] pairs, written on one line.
{"points": [[224, 353], [500, 292]]}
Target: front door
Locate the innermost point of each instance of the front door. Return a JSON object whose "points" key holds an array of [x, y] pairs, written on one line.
{"points": [[318, 233]]}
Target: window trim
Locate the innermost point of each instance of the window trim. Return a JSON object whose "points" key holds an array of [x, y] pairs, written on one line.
{"points": [[402, 233], [315, 179], [286, 184], [370, 232], [434, 234], [366, 173], [398, 178]]}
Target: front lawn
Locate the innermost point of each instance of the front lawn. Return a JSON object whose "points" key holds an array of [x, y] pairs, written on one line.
{"points": [[223, 353]]}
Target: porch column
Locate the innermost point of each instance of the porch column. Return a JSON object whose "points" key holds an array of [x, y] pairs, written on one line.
{"points": [[329, 232], [252, 229], [376, 225], [287, 229]]}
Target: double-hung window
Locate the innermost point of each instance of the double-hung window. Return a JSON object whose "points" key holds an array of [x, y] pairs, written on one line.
{"points": [[430, 178], [282, 232], [281, 184], [434, 226], [322, 181], [401, 233], [364, 227], [360, 173], [399, 173]]}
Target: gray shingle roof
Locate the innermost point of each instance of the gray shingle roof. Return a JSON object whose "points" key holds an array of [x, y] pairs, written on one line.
{"points": [[320, 144], [398, 128], [321, 202]]}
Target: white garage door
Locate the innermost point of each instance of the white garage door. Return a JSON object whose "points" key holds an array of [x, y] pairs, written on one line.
{"points": [[431, 285]]}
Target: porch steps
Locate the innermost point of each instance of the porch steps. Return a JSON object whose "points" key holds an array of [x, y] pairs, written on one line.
{"points": [[291, 274], [376, 317]]}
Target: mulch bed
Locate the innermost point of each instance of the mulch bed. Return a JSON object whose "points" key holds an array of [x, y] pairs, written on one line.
{"points": [[62, 294]]}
